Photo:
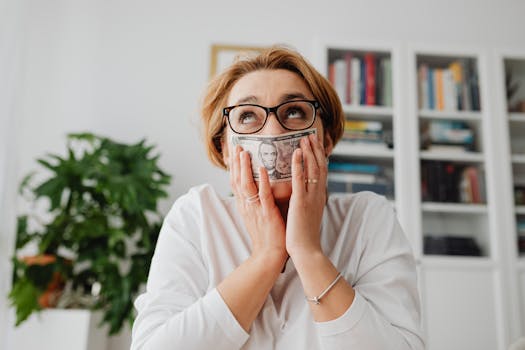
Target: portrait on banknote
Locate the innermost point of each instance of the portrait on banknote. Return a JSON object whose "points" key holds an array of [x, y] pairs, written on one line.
{"points": [[272, 152]]}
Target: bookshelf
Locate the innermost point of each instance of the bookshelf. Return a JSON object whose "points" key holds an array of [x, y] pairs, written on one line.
{"points": [[451, 155], [363, 78], [467, 142], [456, 230]]}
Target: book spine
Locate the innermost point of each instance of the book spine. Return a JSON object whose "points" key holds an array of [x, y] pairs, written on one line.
{"points": [[387, 81], [379, 82], [423, 86], [348, 82], [467, 102], [449, 91], [362, 82], [356, 81], [340, 78], [438, 80], [457, 74], [474, 87], [431, 104], [370, 79]]}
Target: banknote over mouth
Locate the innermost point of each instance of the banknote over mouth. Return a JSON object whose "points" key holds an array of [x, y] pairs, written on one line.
{"points": [[274, 152]]}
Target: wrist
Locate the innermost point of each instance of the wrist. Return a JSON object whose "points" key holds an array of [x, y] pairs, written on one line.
{"points": [[270, 259], [308, 259]]}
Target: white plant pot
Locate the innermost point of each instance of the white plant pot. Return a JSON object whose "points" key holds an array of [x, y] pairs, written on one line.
{"points": [[61, 329]]}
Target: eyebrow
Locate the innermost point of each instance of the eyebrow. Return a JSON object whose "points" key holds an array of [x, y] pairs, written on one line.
{"points": [[284, 98]]}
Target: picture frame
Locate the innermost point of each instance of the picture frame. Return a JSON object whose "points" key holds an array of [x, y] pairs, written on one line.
{"points": [[223, 55]]}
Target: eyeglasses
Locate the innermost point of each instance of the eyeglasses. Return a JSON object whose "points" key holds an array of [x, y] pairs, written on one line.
{"points": [[292, 115]]}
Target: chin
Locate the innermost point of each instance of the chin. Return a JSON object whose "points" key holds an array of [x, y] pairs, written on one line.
{"points": [[282, 191]]}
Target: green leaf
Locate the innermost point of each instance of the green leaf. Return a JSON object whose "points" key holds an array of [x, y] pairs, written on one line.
{"points": [[24, 297]]}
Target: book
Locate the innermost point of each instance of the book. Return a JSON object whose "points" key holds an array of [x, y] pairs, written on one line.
{"points": [[457, 74], [430, 90], [356, 81], [370, 60], [438, 88], [352, 177], [423, 86], [354, 167], [379, 82], [348, 80], [449, 91], [362, 82], [387, 81], [340, 78]]}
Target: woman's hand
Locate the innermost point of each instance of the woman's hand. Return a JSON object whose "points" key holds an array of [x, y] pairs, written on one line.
{"points": [[261, 216], [309, 173]]}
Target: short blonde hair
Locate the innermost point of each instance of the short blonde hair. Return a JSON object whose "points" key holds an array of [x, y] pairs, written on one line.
{"points": [[218, 90]]}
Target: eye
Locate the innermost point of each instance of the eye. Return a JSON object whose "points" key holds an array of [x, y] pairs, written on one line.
{"points": [[247, 115], [247, 118], [294, 111]]}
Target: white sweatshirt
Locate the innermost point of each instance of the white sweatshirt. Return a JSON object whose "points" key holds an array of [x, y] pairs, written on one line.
{"points": [[203, 239]]}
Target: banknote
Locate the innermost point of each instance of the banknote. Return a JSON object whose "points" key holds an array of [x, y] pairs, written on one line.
{"points": [[274, 152]]}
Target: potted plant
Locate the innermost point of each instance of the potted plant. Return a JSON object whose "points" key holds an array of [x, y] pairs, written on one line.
{"points": [[92, 227]]}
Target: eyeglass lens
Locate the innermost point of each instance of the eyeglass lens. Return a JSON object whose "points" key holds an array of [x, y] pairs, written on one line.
{"points": [[294, 115]]}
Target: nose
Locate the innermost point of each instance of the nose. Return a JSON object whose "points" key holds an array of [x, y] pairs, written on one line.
{"points": [[272, 126]]}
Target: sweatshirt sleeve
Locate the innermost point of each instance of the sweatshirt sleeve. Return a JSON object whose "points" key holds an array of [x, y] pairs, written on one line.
{"points": [[385, 313], [177, 310]]}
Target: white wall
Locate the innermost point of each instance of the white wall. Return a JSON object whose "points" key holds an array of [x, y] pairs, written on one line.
{"points": [[134, 69], [10, 29]]}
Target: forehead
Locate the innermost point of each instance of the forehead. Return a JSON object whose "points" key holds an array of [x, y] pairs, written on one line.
{"points": [[268, 87], [267, 147]]}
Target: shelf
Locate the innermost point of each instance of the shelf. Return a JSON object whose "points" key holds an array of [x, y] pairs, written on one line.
{"points": [[517, 117], [457, 262], [518, 158], [452, 115], [456, 208], [520, 209], [363, 150], [452, 156], [377, 112]]}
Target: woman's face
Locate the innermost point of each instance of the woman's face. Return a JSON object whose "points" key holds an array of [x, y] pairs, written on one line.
{"points": [[269, 88]]}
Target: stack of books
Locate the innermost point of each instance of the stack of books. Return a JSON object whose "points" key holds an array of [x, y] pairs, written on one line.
{"points": [[452, 183], [356, 177], [370, 132], [362, 80], [445, 135], [451, 88]]}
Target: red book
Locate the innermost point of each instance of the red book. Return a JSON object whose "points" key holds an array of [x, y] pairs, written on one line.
{"points": [[370, 64], [474, 183], [348, 90]]}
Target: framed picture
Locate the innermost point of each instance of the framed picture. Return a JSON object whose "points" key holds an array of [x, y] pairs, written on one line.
{"points": [[223, 55]]}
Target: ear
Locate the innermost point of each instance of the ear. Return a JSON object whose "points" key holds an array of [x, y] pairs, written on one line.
{"points": [[328, 144]]}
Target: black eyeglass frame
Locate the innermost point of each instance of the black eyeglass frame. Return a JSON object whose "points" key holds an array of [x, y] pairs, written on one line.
{"points": [[226, 113]]}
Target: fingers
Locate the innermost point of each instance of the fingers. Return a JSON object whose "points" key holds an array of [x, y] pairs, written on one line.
{"points": [[265, 190], [248, 187], [298, 187], [318, 149]]}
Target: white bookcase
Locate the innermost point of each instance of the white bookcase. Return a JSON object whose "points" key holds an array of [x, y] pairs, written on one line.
{"points": [[455, 289], [475, 301], [511, 130], [389, 159]]}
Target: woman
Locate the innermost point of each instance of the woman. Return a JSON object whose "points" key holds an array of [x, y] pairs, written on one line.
{"points": [[279, 265]]}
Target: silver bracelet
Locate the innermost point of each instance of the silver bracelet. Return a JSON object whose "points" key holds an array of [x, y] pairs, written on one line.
{"points": [[317, 300]]}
